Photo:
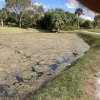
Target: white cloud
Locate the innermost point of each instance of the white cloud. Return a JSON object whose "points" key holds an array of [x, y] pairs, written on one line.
{"points": [[45, 6], [35, 5], [89, 15], [72, 4], [86, 17]]}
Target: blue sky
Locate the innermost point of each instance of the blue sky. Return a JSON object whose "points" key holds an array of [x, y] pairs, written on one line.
{"points": [[55, 4], [67, 5], [2, 3]]}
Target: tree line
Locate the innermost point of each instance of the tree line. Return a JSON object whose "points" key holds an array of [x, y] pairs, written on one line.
{"points": [[26, 14]]}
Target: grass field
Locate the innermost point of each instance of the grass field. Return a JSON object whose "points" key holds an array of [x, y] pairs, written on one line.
{"points": [[13, 30], [95, 30], [76, 83]]}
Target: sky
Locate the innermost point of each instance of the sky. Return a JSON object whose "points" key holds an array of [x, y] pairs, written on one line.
{"points": [[67, 5]]}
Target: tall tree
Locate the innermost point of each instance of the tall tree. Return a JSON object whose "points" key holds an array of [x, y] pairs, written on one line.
{"points": [[12, 19], [79, 12], [97, 21], [71, 21], [53, 20], [18, 6], [3, 16], [33, 15], [87, 24]]}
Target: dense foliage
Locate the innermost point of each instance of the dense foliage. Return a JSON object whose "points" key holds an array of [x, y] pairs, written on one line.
{"points": [[97, 21], [24, 13], [78, 12], [87, 24], [53, 20]]}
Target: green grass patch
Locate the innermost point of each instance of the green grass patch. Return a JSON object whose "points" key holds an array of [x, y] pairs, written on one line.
{"points": [[13, 30], [92, 39], [69, 85], [94, 30]]}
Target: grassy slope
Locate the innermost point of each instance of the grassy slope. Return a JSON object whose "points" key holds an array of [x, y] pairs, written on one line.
{"points": [[95, 30], [13, 30], [71, 84]]}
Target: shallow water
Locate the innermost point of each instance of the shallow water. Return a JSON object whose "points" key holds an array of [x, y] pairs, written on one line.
{"points": [[3, 90]]}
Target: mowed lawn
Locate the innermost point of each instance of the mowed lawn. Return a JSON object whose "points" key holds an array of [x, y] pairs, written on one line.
{"points": [[77, 82], [95, 30], [13, 30]]}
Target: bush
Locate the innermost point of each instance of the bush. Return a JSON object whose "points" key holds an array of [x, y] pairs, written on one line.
{"points": [[53, 20], [87, 24], [71, 28]]}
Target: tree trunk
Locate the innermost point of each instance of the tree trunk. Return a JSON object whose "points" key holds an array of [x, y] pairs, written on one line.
{"points": [[78, 24], [2, 23], [20, 21]]}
